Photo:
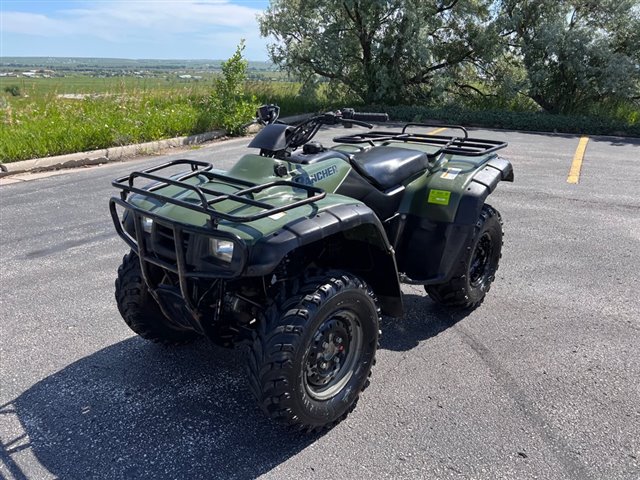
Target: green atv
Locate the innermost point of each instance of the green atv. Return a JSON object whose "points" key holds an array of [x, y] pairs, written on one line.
{"points": [[298, 250]]}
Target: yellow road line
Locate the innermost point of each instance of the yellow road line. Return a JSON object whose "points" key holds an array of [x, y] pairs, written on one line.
{"points": [[576, 165], [436, 131]]}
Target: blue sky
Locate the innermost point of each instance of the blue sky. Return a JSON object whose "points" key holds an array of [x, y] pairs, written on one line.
{"points": [[180, 29]]}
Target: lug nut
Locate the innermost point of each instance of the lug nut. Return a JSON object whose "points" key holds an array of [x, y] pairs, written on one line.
{"points": [[338, 340]]}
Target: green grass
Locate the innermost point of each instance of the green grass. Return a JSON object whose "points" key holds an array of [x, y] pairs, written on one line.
{"points": [[38, 87], [289, 97], [117, 111], [32, 128], [126, 110]]}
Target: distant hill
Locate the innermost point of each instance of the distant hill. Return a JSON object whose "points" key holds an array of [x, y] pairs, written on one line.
{"points": [[80, 64]]}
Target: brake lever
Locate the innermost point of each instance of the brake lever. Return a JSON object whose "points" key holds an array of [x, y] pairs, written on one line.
{"points": [[348, 123]]}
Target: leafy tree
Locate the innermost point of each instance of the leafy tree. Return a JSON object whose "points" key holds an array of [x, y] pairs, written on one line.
{"points": [[576, 53], [232, 107], [381, 50]]}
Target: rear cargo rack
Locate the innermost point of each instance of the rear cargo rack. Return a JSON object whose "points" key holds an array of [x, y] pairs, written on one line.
{"points": [[465, 145], [206, 197]]}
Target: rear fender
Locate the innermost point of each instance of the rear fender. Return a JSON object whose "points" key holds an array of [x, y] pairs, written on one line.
{"points": [[483, 183], [441, 215], [456, 192]]}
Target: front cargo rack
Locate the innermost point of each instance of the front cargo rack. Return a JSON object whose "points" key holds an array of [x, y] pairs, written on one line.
{"points": [[183, 248], [204, 204], [464, 145]]}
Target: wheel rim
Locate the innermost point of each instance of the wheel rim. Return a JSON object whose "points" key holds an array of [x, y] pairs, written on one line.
{"points": [[481, 260], [335, 350]]}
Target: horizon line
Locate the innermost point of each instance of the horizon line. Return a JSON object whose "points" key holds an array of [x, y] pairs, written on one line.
{"points": [[129, 58]]}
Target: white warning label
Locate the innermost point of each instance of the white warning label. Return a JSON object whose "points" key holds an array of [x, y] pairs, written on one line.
{"points": [[450, 173]]}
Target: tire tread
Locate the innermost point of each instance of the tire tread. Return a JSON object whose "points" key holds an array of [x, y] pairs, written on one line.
{"points": [[454, 293], [139, 309], [275, 343]]}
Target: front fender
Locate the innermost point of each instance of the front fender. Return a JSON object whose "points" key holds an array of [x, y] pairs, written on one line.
{"points": [[359, 227], [268, 251]]}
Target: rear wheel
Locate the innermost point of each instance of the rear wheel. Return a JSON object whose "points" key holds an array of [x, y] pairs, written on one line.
{"points": [[139, 309], [314, 352], [477, 268]]}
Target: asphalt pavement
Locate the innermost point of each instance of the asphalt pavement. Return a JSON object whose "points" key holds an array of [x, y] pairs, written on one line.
{"points": [[541, 381]]}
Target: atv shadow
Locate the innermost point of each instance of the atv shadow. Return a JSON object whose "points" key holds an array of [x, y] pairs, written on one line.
{"points": [[423, 319], [139, 410]]}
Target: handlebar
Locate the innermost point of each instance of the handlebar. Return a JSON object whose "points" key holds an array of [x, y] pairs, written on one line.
{"points": [[339, 117], [306, 130], [372, 117], [356, 122], [268, 114], [351, 114]]}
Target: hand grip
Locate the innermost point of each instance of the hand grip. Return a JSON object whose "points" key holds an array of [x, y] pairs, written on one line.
{"points": [[371, 117]]}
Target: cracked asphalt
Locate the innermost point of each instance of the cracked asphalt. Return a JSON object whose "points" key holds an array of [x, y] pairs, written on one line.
{"points": [[541, 381]]}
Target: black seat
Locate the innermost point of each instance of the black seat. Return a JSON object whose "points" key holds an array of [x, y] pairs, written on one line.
{"points": [[387, 167]]}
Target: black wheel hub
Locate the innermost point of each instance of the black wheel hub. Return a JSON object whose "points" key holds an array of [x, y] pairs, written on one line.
{"points": [[334, 350], [481, 260]]}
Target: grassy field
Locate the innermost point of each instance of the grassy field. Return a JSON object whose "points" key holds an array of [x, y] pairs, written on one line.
{"points": [[45, 120], [39, 87], [117, 112], [53, 116]]}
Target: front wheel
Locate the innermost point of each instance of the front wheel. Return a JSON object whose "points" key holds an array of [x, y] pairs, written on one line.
{"points": [[139, 309], [314, 352], [477, 268]]}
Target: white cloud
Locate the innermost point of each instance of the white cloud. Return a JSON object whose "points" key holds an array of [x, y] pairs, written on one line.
{"points": [[31, 24], [170, 16], [140, 21]]}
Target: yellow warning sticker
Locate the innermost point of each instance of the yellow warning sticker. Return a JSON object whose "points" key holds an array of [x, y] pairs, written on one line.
{"points": [[439, 197]]}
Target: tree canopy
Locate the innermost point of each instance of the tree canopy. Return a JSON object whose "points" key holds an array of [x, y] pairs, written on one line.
{"points": [[563, 54], [575, 52], [380, 50]]}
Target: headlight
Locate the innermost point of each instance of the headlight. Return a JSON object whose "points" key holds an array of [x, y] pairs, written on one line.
{"points": [[147, 224], [221, 249]]}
